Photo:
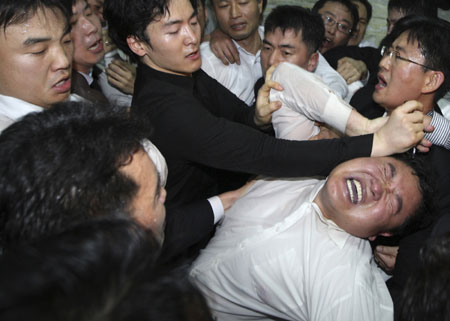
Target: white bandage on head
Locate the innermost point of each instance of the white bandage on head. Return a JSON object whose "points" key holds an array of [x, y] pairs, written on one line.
{"points": [[157, 159]]}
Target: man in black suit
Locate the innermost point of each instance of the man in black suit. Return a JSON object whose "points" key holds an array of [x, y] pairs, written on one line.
{"points": [[199, 126], [415, 65]]}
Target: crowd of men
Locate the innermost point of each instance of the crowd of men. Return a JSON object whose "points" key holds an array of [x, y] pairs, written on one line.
{"points": [[277, 168]]}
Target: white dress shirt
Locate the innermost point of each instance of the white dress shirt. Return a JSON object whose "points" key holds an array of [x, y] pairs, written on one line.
{"points": [[305, 99], [239, 79], [331, 77], [12, 109], [276, 257]]}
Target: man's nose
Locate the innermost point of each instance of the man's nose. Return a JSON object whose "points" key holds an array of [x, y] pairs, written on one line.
{"points": [[235, 10], [275, 57]]}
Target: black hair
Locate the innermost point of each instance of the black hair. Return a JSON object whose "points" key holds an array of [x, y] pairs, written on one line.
{"points": [[131, 18], [425, 296], [425, 213], [346, 3], [433, 39], [79, 274], [62, 165], [19, 11], [368, 6], [298, 19], [414, 7]]}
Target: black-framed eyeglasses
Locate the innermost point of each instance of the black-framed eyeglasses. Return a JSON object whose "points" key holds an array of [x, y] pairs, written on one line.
{"points": [[329, 21], [394, 55]]}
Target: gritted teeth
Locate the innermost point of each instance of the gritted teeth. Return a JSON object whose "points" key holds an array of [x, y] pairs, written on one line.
{"points": [[355, 190]]}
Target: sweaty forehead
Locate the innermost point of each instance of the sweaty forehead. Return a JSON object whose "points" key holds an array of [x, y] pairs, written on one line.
{"points": [[44, 23]]}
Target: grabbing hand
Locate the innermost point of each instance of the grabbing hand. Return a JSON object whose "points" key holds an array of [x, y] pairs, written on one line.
{"points": [[403, 130], [264, 107], [325, 132], [229, 198], [121, 75], [385, 256], [351, 70], [223, 48]]}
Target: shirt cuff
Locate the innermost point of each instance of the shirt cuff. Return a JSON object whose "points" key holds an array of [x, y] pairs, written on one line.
{"points": [[217, 207], [337, 113], [441, 134]]}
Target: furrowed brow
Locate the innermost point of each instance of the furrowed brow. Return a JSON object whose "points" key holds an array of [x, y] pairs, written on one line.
{"points": [[393, 170], [267, 42], [31, 41], [172, 22], [399, 204], [288, 46]]}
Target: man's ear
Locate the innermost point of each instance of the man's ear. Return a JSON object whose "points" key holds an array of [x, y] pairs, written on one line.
{"points": [[137, 46], [312, 62], [260, 6], [433, 81]]}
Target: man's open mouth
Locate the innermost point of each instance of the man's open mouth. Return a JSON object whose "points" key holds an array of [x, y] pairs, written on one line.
{"points": [[354, 190]]}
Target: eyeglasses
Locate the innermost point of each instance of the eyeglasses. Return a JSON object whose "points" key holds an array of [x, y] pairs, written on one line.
{"points": [[394, 55], [329, 21]]}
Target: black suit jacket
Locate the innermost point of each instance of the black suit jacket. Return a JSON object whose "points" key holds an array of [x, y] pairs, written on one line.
{"points": [[409, 247], [81, 87], [362, 99], [199, 126], [369, 55]]}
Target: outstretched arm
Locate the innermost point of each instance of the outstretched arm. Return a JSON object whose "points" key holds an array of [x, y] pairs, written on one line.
{"points": [[309, 96]]}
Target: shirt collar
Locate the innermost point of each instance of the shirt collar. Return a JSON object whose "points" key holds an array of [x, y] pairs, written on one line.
{"points": [[241, 49], [336, 234], [15, 108], [89, 78]]}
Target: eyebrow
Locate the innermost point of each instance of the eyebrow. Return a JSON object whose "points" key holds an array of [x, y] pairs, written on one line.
{"points": [[400, 204], [174, 22], [288, 46], [267, 42], [400, 49], [398, 197], [31, 41], [393, 169]]}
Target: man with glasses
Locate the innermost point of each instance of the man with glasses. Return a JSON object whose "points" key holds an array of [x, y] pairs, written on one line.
{"points": [[416, 66], [339, 18]]}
